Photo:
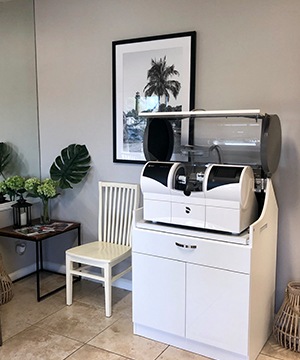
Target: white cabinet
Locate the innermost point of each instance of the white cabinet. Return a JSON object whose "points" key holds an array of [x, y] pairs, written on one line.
{"points": [[217, 307], [161, 292], [210, 294], [182, 299]]}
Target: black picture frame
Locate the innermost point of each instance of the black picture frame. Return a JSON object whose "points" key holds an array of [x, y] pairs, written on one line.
{"points": [[132, 60]]}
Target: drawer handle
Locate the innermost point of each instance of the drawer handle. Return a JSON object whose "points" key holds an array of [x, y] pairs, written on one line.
{"points": [[186, 246]]}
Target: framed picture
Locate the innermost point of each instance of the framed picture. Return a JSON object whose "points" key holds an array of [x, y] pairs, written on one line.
{"points": [[151, 74]]}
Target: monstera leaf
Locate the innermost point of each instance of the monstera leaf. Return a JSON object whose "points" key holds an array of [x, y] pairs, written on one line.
{"points": [[4, 156], [71, 166]]}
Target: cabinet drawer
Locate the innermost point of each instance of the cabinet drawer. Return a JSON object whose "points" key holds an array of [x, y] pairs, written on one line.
{"points": [[212, 253]]}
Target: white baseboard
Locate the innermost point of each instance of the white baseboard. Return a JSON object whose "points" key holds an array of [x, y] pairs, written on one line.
{"points": [[22, 272], [121, 283], [55, 267], [31, 268]]}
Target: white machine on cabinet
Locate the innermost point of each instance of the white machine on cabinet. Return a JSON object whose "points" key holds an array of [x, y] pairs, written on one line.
{"points": [[223, 199], [209, 292]]}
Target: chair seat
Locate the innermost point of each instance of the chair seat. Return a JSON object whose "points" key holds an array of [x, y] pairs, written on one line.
{"points": [[100, 251]]}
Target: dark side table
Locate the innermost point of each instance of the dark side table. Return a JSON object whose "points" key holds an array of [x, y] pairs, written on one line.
{"points": [[9, 232]]}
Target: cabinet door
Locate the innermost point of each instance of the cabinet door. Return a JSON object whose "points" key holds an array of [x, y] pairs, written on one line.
{"points": [[217, 308], [159, 293]]}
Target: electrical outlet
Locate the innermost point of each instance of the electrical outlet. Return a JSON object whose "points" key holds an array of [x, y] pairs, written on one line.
{"points": [[20, 248]]}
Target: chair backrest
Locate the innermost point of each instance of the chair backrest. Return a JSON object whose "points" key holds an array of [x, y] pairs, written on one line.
{"points": [[116, 204]]}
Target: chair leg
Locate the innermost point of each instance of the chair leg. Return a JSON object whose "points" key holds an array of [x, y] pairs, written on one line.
{"points": [[107, 290], [69, 281]]}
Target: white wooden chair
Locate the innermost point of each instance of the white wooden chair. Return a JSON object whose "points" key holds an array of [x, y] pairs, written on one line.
{"points": [[116, 204]]}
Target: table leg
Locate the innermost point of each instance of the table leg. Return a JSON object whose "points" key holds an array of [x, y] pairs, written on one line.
{"points": [[79, 235], [39, 262], [41, 256], [38, 293]]}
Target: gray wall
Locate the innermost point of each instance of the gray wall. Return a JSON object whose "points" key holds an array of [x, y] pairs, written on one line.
{"points": [[18, 104], [248, 56], [18, 109]]}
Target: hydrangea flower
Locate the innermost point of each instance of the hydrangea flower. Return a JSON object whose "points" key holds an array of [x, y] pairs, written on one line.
{"points": [[14, 186], [31, 185], [45, 189], [15, 183]]}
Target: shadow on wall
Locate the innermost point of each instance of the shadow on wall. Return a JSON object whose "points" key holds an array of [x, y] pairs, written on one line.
{"points": [[288, 193]]}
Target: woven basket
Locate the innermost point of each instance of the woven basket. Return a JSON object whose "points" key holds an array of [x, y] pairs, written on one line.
{"points": [[286, 327], [6, 287]]}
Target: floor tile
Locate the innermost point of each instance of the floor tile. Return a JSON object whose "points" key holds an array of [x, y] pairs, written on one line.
{"points": [[48, 281], [92, 293], [92, 353], [31, 311], [11, 324], [78, 321], [51, 282], [264, 357], [172, 353], [24, 310], [119, 339], [35, 343], [49, 329], [273, 349], [85, 290]]}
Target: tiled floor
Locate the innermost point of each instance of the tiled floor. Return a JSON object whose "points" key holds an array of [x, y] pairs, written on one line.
{"points": [[50, 330]]}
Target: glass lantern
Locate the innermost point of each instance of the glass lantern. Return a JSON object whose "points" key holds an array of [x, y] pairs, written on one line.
{"points": [[21, 214]]}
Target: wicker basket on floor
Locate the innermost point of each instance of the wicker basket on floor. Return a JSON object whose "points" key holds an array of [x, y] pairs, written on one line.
{"points": [[286, 327], [6, 287]]}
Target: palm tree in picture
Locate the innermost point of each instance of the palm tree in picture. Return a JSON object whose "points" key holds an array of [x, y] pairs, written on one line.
{"points": [[159, 82]]}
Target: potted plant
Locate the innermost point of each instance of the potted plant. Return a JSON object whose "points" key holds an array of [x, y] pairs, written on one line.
{"points": [[69, 168], [44, 189]]}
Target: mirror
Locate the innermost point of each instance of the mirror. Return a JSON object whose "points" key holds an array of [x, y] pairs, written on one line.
{"points": [[18, 94]]}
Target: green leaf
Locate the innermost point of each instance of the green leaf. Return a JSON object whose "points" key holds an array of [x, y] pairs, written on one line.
{"points": [[71, 166]]}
